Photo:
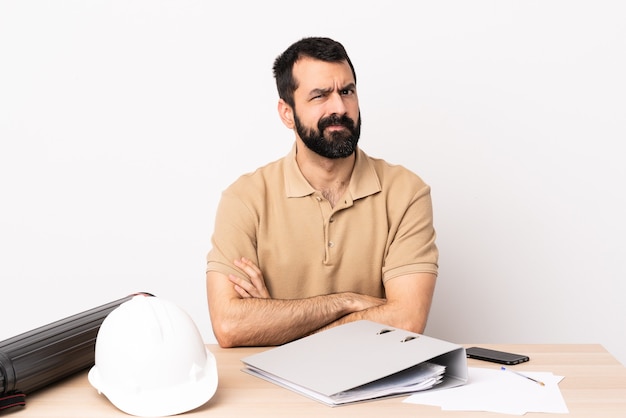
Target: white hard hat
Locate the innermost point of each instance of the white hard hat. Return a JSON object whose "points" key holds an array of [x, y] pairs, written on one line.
{"points": [[151, 361]]}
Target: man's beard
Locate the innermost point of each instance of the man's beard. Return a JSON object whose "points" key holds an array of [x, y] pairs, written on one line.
{"points": [[337, 144]]}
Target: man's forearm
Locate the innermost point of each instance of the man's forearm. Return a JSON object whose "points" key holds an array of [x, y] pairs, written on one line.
{"points": [[387, 314], [408, 302], [409, 298], [263, 322]]}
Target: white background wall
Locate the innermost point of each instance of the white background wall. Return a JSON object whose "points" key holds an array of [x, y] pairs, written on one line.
{"points": [[122, 121]]}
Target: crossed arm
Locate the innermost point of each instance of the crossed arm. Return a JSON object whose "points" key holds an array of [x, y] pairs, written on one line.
{"points": [[243, 313]]}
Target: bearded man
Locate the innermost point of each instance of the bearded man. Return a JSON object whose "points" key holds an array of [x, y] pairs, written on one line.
{"points": [[327, 234]]}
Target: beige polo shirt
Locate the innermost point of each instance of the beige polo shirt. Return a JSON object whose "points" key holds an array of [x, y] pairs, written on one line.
{"points": [[381, 228]]}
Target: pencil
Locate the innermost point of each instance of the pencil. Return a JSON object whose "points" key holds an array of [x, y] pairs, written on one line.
{"points": [[523, 375]]}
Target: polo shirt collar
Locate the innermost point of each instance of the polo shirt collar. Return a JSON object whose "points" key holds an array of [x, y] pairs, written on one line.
{"points": [[363, 182]]}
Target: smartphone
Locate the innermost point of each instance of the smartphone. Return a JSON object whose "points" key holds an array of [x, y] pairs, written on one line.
{"points": [[495, 356]]}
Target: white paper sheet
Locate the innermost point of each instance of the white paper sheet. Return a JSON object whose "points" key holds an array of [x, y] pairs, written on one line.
{"points": [[495, 390], [421, 377]]}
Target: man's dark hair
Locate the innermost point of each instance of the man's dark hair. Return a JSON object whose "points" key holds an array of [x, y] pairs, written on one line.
{"points": [[324, 49]]}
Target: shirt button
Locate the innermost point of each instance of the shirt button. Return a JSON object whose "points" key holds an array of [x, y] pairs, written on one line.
{"points": [[319, 199], [331, 244], [331, 220]]}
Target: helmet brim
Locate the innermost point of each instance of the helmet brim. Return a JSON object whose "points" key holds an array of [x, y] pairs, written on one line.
{"points": [[166, 401]]}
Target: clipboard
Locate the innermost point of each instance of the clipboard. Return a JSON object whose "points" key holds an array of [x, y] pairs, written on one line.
{"points": [[352, 362]]}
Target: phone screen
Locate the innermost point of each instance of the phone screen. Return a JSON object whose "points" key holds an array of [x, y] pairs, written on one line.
{"points": [[495, 356]]}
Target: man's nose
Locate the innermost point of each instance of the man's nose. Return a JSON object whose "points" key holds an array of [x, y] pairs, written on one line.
{"points": [[336, 105]]}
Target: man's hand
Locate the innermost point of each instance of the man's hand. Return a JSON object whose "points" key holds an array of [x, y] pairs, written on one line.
{"points": [[255, 288]]}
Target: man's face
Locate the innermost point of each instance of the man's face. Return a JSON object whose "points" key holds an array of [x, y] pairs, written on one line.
{"points": [[326, 113]]}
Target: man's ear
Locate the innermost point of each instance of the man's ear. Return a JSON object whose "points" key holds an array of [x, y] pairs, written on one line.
{"points": [[286, 114]]}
